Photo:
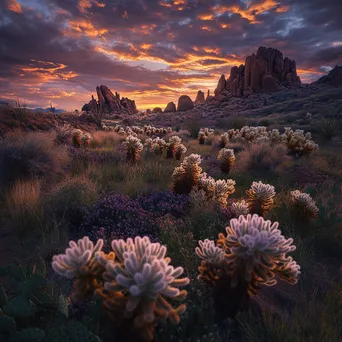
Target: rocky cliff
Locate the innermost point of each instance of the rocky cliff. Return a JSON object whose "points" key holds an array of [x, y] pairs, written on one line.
{"points": [[266, 71], [112, 104], [334, 77]]}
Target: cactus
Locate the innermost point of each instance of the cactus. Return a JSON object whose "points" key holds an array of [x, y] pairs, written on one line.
{"points": [[240, 208], [186, 176], [181, 149], [133, 147], [227, 159], [76, 137], [252, 253], [304, 205], [261, 198], [172, 145]]}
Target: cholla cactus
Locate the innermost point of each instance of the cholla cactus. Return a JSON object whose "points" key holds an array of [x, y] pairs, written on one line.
{"points": [[214, 190], [86, 139], [201, 137], [185, 177], [121, 131], [304, 204], [227, 159], [252, 253], [224, 139], [261, 198], [156, 145], [142, 272], [133, 147], [240, 208], [79, 262], [298, 142], [172, 145], [76, 137], [181, 149]]}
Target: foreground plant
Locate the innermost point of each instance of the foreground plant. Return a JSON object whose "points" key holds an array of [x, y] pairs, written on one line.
{"points": [[186, 176], [227, 159], [261, 198], [304, 205], [252, 253], [133, 147], [134, 280]]}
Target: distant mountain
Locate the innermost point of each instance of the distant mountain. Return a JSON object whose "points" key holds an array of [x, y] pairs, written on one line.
{"points": [[49, 109]]}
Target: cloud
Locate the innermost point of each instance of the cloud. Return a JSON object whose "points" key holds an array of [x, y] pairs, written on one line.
{"points": [[153, 50]]}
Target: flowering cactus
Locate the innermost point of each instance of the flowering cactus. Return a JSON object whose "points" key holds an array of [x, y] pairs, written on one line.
{"points": [[185, 177], [227, 159], [252, 253], [142, 272], [304, 204], [133, 147], [261, 198], [240, 208]]}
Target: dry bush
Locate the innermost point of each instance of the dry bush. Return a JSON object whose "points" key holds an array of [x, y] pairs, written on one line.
{"points": [[262, 157], [30, 155], [110, 139]]}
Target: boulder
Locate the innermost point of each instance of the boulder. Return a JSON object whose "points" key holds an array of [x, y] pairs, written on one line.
{"points": [[157, 110], [148, 111], [171, 107], [200, 97], [184, 103]]}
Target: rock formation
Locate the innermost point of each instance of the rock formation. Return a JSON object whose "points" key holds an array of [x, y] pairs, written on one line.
{"points": [[200, 97], [171, 107], [157, 110], [266, 71], [111, 103], [333, 78], [184, 103]]}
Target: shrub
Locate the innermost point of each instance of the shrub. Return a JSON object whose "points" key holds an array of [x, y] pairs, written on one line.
{"points": [[69, 199], [329, 128], [305, 206], [29, 156], [165, 202], [193, 125], [118, 217]]}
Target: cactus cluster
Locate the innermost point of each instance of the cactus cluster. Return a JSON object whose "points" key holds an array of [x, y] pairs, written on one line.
{"points": [[135, 280], [240, 208], [260, 198], [205, 136], [79, 138], [172, 146], [134, 130], [296, 141], [304, 204], [186, 176], [155, 145], [209, 189], [133, 148], [252, 252], [227, 159]]}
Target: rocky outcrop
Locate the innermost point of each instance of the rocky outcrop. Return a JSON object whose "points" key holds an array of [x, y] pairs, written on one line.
{"points": [[200, 97], [266, 71], [157, 110], [171, 107], [184, 103], [111, 103], [334, 77]]}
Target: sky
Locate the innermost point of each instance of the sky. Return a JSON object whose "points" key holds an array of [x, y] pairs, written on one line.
{"points": [[153, 51]]}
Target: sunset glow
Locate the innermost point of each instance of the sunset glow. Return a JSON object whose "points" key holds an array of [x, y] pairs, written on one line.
{"points": [[152, 51]]}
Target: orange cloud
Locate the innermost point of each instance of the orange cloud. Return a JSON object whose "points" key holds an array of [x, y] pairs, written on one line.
{"points": [[14, 6], [84, 5], [84, 27], [252, 11], [206, 17]]}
